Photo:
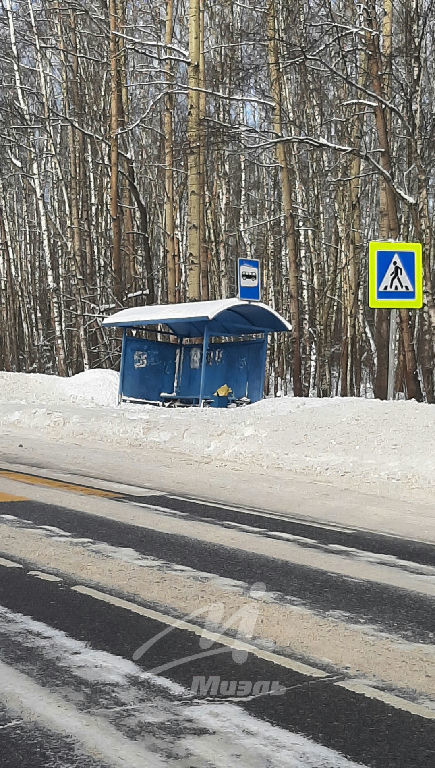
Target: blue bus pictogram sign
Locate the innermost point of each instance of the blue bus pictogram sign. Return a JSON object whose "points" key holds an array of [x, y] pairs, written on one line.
{"points": [[249, 279]]}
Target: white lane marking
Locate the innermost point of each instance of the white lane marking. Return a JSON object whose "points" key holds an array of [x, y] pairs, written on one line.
{"points": [[99, 738], [213, 734], [9, 563], [414, 569], [355, 686], [360, 687], [156, 508], [274, 658], [44, 576], [353, 553], [134, 490], [307, 521], [254, 512], [77, 656], [12, 724], [129, 555], [51, 528]]}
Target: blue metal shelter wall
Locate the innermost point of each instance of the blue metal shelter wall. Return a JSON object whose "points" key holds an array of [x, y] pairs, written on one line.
{"points": [[148, 368], [239, 364]]}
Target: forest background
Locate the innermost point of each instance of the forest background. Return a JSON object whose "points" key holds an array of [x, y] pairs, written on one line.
{"points": [[146, 145]]}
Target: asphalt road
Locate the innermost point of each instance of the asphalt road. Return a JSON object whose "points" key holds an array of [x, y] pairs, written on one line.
{"points": [[143, 629]]}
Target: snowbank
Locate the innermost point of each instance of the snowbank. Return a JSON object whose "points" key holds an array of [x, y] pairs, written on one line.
{"points": [[360, 440], [96, 387]]}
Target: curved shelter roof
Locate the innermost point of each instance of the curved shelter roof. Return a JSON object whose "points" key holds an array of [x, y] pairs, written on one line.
{"points": [[224, 317]]}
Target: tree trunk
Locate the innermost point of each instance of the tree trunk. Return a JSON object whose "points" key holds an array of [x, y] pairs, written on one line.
{"points": [[114, 153], [127, 234], [194, 156], [374, 63], [202, 149], [42, 213], [287, 196], [169, 161]]}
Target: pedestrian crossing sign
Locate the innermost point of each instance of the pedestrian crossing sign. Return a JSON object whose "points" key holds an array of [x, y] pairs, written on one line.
{"points": [[395, 275]]}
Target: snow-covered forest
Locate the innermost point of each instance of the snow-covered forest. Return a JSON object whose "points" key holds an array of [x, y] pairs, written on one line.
{"points": [[145, 145]]}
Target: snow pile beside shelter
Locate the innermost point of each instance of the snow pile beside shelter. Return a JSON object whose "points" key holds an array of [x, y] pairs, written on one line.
{"points": [[362, 441], [95, 387]]}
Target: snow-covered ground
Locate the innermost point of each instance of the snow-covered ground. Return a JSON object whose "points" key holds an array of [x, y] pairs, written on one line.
{"points": [[363, 441]]}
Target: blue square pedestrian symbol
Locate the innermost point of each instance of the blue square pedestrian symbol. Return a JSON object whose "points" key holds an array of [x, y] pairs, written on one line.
{"points": [[395, 275]]}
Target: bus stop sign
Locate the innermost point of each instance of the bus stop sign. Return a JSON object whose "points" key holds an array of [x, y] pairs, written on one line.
{"points": [[249, 279], [395, 275]]}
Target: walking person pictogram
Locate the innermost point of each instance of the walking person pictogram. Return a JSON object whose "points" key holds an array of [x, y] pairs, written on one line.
{"points": [[396, 278], [395, 275]]}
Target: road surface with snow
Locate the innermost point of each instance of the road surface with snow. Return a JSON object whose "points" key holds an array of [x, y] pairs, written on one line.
{"points": [[206, 588], [115, 598]]}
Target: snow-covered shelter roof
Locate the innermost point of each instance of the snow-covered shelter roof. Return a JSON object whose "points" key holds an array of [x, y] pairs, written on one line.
{"points": [[224, 317]]}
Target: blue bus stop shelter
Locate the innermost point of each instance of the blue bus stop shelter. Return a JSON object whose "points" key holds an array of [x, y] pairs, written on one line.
{"points": [[216, 343]]}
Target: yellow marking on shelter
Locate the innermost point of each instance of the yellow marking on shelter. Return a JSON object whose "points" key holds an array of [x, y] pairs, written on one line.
{"points": [[20, 477]]}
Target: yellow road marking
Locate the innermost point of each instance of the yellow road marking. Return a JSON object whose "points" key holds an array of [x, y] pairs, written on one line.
{"points": [[9, 497], [58, 484]]}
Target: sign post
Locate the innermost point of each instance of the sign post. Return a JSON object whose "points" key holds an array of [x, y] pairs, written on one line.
{"points": [[395, 282], [249, 279], [391, 354]]}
